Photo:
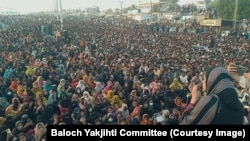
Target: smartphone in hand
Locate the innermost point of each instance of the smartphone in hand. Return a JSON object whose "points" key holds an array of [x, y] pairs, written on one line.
{"points": [[196, 81], [8, 131], [241, 70]]}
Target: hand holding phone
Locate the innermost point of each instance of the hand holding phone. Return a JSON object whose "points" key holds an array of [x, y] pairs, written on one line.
{"points": [[196, 82], [195, 94], [241, 70], [231, 68], [8, 131]]}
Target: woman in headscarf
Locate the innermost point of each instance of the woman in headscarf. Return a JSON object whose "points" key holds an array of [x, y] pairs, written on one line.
{"points": [[39, 107], [117, 100], [81, 85], [21, 91], [18, 128], [39, 131], [221, 104], [180, 104], [108, 87], [145, 120], [117, 86], [13, 85], [110, 96], [47, 86], [99, 87], [60, 86], [30, 71], [36, 88], [87, 98], [75, 98], [176, 83], [78, 91], [40, 81], [96, 99], [75, 79], [14, 108], [86, 80], [155, 85], [135, 113], [39, 95]]}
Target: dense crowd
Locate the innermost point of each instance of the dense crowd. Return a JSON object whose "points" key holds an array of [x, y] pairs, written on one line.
{"points": [[105, 71]]}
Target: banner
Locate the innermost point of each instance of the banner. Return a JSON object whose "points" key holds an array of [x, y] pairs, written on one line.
{"points": [[172, 132], [211, 22]]}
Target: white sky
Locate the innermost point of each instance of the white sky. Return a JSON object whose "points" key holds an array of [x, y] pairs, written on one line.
{"points": [[44, 5]]}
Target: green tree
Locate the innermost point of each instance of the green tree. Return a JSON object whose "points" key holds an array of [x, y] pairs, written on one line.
{"points": [[225, 9], [172, 4], [109, 11], [98, 9], [132, 7]]}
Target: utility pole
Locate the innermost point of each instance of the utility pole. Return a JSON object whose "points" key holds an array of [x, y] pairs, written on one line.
{"points": [[235, 13], [151, 7], [121, 2], [61, 15], [57, 11]]}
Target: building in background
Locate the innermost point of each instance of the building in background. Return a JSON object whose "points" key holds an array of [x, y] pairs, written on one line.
{"points": [[132, 14], [92, 10], [200, 4], [146, 7], [9, 11]]}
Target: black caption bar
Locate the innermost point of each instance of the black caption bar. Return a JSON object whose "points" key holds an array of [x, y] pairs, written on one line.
{"points": [[171, 132]]}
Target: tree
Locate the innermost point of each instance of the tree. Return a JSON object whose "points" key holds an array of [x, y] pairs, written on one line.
{"points": [[173, 4], [132, 7], [109, 11], [98, 9], [225, 9]]}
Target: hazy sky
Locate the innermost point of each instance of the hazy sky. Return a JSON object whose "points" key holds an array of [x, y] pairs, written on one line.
{"points": [[43, 5]]}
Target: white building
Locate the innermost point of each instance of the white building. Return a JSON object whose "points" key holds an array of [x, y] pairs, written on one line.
{"points": [[146, 6], [92, 10], [8, 11], [201, 4]]}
